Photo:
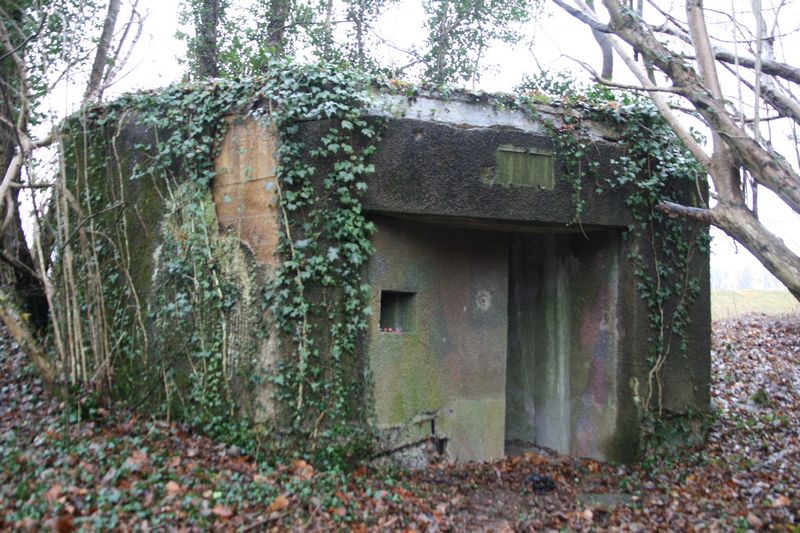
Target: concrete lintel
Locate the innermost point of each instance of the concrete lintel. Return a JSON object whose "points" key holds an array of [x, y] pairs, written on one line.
{"points": [[477, 113]]}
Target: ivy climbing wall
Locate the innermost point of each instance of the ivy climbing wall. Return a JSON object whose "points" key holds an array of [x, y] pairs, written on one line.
{"points": [[361, 272]]}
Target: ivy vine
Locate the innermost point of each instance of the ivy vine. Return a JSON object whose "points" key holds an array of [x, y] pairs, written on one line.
{"points": [[316, 300]]}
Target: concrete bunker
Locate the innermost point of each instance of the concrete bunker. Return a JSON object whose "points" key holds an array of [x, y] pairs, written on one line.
{"points": [[499, 318], [527, 325]]}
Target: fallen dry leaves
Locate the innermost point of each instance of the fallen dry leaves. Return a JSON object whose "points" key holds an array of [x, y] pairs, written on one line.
{"points": [[280, 503], [123, 472]]}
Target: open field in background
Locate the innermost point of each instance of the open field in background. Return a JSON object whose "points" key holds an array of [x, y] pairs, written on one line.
{"points": [[732, 304]]}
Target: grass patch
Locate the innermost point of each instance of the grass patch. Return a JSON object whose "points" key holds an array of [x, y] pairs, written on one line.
{"points": [[733, 304]]}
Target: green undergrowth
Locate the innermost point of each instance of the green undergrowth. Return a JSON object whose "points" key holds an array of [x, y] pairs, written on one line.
{"points": [[112, 471], [115, 474], [674, 440]]}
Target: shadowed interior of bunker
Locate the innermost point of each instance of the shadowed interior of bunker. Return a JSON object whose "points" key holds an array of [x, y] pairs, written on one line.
{"points": [[493, 338]]}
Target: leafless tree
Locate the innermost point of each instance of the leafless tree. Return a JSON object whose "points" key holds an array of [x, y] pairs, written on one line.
{"points": [[741, 158]]}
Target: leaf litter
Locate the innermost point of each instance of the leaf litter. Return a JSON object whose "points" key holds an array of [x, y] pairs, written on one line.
{"points": [[118, 471]]}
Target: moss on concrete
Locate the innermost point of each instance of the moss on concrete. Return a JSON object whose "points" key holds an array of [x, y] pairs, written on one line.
{"points": [[150, 223], [474, 429], [454, 357]]}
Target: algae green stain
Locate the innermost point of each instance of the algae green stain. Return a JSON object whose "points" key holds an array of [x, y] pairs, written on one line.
{"points": [[476, 429], [403, 377]]}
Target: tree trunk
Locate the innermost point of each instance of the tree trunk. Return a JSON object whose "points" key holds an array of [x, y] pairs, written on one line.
{"points": [[94, 88], [443, 46], [605, 49], [733, 146], [327, 32], [276, 28], [21, 333], [17, 269], [740, 223], [207, 40], [767, 168]]}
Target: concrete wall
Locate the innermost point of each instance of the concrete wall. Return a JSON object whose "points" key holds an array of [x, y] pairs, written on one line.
{"points": [[244, 189], [246, 201], [448, 373], [429, 169], [563, 342], [575, 328], [686, 379]]}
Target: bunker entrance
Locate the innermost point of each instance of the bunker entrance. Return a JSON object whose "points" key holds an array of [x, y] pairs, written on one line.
{"points": [[562, 340], [484, 336]]}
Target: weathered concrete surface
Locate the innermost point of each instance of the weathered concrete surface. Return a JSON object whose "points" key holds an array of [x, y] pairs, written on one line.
{"points": [[478, 111], [594, 369], [245, 189], [246, 200], [575, 312], [451, 365], [563, 331], [686, 380], [430, 169], [687, 384]]}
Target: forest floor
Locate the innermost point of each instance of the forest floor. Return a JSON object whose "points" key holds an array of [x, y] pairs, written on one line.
{"points": [[121, 472]]}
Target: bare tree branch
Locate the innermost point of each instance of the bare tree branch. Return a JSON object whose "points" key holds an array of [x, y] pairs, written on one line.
{"points": [[606, 49], [584, 17], [734, 147], [773, 68], [696, 213], [118, 61], [662, 105], [31, 37], [777, 175], [784, 104], [94, 87], [601, 79]]}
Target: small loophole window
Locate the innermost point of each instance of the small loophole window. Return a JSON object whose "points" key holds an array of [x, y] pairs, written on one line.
{"points": [[397, 311]]}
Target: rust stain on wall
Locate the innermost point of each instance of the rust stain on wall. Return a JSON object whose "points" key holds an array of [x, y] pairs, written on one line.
{"points": [[245, 189]]}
